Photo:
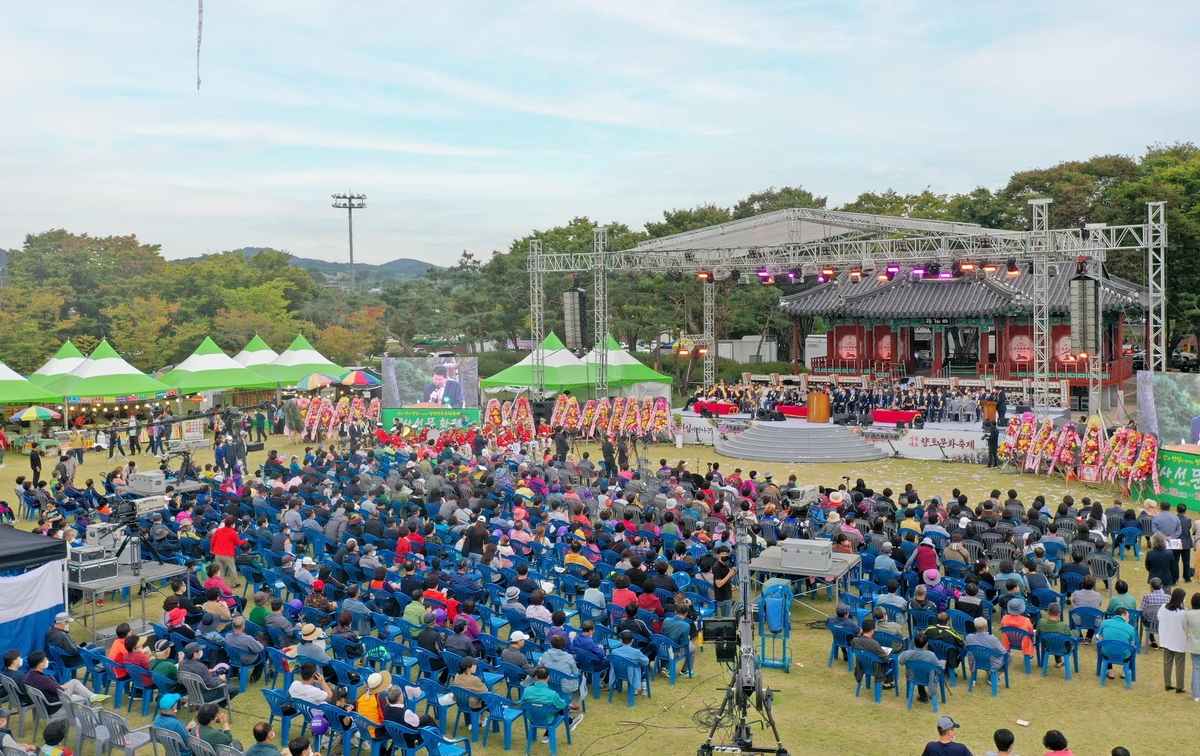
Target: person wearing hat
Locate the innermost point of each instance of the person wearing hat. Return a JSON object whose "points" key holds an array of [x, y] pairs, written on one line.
{"points": [[306, 572], [163, 539], [924, 557], [723, 574], [1014, 616], [6, 737], [369, 561], [215, 686], [515, 653], [431, 640], [59, 636], [258, 614], [935, 591], [163, 661], [946, 745], [319, 601], [512, 600], [166, 719], [38, 678], [373, 700]]}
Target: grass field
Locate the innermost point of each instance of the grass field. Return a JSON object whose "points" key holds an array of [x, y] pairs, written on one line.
{"points": [[815, 706]]}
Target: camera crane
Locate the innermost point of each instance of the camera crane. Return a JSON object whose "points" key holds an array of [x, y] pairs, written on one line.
{"points": [[746, 686]]}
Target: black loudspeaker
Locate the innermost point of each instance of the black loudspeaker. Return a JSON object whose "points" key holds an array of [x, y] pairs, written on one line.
{"points": [[542, 410], [918, 422], [723, 634], [778, 417], [254, 447], [899, 425], [706, 412]]}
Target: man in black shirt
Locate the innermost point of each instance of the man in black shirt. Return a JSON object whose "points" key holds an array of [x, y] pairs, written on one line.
{"points": [[608, 451], [946, 745], [723, 582]]}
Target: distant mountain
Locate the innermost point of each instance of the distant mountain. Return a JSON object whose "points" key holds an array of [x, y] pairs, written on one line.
{"points": [[405, 267]]}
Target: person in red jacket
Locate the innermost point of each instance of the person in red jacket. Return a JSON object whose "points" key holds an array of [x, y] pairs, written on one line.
{"points": [[224, 546]]}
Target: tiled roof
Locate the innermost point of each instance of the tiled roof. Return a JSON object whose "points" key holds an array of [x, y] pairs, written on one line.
{"points": [[969, 296]]}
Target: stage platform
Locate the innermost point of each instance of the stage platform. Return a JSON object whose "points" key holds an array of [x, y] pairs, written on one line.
{"points": [[796, 440]]}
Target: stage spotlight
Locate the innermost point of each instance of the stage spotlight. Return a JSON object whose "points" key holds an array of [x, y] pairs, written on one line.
{"points": [[990, 268], [683, 352], [704, 276], [702, 350], [828, 272], [945, 275], [1012, 271], [856, 275], [919, 271], [1081, 266], [966, 266], [883, 276], [674, 275], [795, 277], [734, 275]]}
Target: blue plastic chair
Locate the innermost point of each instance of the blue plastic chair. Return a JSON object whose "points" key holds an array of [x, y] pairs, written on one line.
{"points": [[942, 649], [543, 717], [513, 677], [865, 662], [1085, 618], [841, 640], [622, 675], [501, 713], [1058, 644], [1016, 642], [1113, 653], [400, 736], [982, 658], [669, 655], [122, 685], [928, 674], [1070, 582], [473, 717], [137, 687], [65, 672], [436, 744], [433, 692], [1127, 538], [275, 700]]}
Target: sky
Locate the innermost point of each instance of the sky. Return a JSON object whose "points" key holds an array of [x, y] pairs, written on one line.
{"points": [[468, 124]]}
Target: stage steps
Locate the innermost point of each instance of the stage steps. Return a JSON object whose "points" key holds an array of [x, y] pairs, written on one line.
{"points": [[799, 442]]}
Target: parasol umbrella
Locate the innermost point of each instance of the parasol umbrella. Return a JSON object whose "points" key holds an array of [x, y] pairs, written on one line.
{"points": [[314, 381], [359, 379], [32, 414]]}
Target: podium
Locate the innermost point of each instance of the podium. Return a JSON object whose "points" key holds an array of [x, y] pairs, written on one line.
{"points": [[818, 407], [989, 409]]}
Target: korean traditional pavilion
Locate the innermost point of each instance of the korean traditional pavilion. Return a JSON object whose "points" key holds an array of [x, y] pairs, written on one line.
{"points": [[966, 325]]}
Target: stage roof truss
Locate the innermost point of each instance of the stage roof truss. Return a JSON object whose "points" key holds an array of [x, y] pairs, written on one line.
{"points": [[804, 239]]}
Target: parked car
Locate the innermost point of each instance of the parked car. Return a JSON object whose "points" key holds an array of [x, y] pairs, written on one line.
{"points": [[1185, 361]]}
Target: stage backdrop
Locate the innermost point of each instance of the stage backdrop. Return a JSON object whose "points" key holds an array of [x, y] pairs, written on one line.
{"points": [[1169, 406], [411, 381], [28, 603]]}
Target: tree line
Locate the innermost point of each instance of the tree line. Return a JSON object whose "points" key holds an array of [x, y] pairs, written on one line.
{"points": [[63, 285]]}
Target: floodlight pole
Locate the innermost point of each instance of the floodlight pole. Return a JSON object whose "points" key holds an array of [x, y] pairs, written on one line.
{"points": [[537, 317], [350, 203]]}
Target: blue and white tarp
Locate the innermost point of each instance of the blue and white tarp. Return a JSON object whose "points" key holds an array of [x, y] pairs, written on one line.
{"points": [[28, 603]]}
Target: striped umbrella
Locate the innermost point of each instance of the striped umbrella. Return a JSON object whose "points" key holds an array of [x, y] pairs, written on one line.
{"points": [[359, 379], [30, 414], [314, 381]]}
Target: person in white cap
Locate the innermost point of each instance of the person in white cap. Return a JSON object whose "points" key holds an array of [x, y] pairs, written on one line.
{"points": [[58, 635], [307, 572]]}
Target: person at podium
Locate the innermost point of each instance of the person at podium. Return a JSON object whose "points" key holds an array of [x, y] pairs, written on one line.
{"points": [[443, 390]]}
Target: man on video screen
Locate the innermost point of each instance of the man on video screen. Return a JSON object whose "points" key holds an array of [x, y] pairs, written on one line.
{"points": [[443, 390]]}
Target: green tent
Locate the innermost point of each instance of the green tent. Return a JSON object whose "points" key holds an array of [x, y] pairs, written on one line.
{"points": [[563, 370], [210, 369], [297, 361], [105, 374], [66, 359], [17, 390], [256, 353], [626, 372]]}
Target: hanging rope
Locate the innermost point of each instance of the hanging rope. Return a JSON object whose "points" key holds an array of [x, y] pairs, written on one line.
{"points": [[199, 36]]}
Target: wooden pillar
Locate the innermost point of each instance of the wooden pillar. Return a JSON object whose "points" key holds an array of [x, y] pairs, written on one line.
{"points": [[939, 350], [795, 345]]}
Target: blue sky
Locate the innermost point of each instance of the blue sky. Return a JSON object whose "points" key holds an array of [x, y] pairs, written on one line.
{"points": [[469, 123]]}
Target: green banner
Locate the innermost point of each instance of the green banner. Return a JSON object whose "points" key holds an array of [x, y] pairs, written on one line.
{"points": [[1179, 477], [441, 419]]}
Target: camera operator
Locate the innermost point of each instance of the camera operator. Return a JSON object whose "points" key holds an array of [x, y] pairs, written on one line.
{"points": [[561, 445], [991, 433]]}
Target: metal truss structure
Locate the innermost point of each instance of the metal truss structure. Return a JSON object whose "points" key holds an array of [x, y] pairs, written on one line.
{"points": [[805, 241]]}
